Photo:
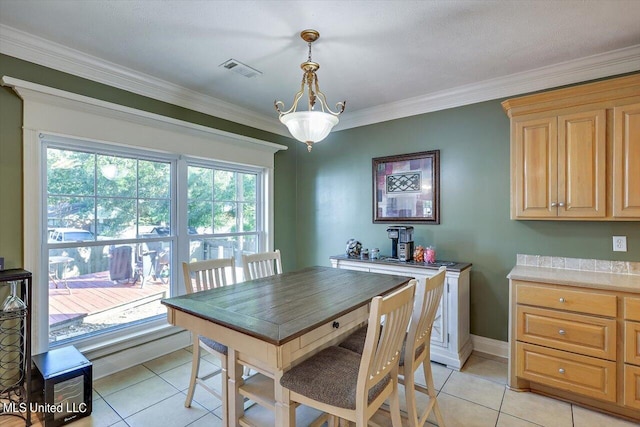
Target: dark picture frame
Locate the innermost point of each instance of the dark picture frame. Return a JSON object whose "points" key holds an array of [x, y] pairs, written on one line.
{"points": [[406, 188]]}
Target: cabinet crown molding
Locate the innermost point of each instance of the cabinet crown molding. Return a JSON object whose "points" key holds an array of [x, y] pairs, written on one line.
{"points": [[605, 91]]}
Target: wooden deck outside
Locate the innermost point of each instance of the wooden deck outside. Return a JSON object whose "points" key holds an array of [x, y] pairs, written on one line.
{"points": [[96, 293]]}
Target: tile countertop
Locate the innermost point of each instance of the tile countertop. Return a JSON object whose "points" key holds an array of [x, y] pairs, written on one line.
{"points": [[587, 279]]}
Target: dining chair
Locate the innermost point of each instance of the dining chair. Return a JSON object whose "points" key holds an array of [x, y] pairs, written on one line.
{"points": [[353, 386], [418, 350], [417, 342], [261, 265], [201, 276]]}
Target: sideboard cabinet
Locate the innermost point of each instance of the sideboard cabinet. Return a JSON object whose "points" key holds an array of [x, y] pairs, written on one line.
{"points": [[450, 337], [574, 152]]}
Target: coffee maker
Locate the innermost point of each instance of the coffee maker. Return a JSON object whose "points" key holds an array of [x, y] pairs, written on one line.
{"points": [[401, 242]]}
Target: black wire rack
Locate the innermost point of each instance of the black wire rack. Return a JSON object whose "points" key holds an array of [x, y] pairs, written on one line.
{"points": [[15, 351]]}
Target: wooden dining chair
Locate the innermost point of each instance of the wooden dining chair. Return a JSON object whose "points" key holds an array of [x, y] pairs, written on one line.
{"points": [[418, 350], [353, 386], [201, 276], [261, 265], [417, 342]]}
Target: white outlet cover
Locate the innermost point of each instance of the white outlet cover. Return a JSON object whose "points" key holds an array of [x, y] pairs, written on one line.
{"points": [[620, 243]]}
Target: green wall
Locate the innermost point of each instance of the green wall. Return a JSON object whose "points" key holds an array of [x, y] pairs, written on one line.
{"points": [[323, 198], [11, 151], [335, 204]]}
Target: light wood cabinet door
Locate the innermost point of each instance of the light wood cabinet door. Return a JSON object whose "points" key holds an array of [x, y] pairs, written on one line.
{"points": [[632, 386], [626, 161], [632, 342], [559, 166], [535, 170], [582, 179]]}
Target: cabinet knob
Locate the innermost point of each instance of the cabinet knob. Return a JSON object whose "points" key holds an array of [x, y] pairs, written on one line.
{"points": [[561, 204], [561, 370], [561, 299], [336, 325], [561, 332], [554, 204]]}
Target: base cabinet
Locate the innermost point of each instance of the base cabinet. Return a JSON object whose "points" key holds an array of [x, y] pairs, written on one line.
{"points": [[450, 337], [579, 343]]}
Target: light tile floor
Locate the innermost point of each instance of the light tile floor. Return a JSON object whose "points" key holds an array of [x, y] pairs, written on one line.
{"points": [[152, 395]]}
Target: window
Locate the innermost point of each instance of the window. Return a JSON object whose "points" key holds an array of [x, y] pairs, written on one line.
{"points": [[112, 231], [109, 220], [140, 136], [224, 218]]}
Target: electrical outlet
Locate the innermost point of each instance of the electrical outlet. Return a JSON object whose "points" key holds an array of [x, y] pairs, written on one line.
{"points": [[620, 243]]}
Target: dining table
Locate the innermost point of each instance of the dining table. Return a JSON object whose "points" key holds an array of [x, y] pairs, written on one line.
{"points": [[273, 323]]}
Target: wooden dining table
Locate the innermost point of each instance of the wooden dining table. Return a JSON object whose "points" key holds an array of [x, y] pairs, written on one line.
{"points": [[274, 323]]}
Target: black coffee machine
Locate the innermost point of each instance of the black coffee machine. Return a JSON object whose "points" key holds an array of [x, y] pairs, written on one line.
{"points": [[401, 242]]}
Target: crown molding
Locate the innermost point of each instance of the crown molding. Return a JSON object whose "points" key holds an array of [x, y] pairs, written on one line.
{"points": [[34, 49], [36, 92], [592, 67], [25, 46]]}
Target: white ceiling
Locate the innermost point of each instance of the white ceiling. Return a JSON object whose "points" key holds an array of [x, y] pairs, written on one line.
{"points": [[387, 59]]}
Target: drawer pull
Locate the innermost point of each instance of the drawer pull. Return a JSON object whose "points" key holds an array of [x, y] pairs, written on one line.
{"points": [[336, 325], [561, 332], [561, 299], [561, 370]]}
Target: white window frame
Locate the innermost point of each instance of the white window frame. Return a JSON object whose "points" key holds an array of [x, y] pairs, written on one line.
{"points": [[72, 144], [263, 237], [59, 113]]}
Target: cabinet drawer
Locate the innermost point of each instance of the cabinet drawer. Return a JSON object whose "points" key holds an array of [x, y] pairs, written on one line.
{"points": [[632, 308], [584, 375], [632, 342], [588, 302], [335, 328], [632, 386], [588, 335]]}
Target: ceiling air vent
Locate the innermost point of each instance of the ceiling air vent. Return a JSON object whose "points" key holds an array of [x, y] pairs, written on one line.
{"points": [[240, 68]]}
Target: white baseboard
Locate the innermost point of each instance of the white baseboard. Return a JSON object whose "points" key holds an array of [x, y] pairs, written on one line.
{"points": [[115, 362], [490, 346]]}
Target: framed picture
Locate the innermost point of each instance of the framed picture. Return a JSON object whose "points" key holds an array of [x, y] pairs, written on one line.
{"points": [[406, 188]]}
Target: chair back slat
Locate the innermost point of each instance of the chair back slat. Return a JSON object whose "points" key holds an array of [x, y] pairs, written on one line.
{"points": [[209, 274], [383, 344], [427, 300], [261, 265]]}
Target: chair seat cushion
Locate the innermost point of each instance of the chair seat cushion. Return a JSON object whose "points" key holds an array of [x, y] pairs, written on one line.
{"points": [[330, 377], [215, 345], [355, 343]]}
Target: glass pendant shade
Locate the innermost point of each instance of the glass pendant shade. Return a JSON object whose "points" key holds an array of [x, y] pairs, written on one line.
{"points": [[313, 125], [309, 126]]}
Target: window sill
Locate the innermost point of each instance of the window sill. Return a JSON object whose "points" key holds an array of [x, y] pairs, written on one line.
{"points": [[107, 344]]}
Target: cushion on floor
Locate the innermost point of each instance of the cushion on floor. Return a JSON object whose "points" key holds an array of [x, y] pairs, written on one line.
{"points": [[220, 348], [330, 377]]}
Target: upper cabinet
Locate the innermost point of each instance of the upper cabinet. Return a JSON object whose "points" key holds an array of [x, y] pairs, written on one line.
{"points": [[575, 152], [626, 161]]}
